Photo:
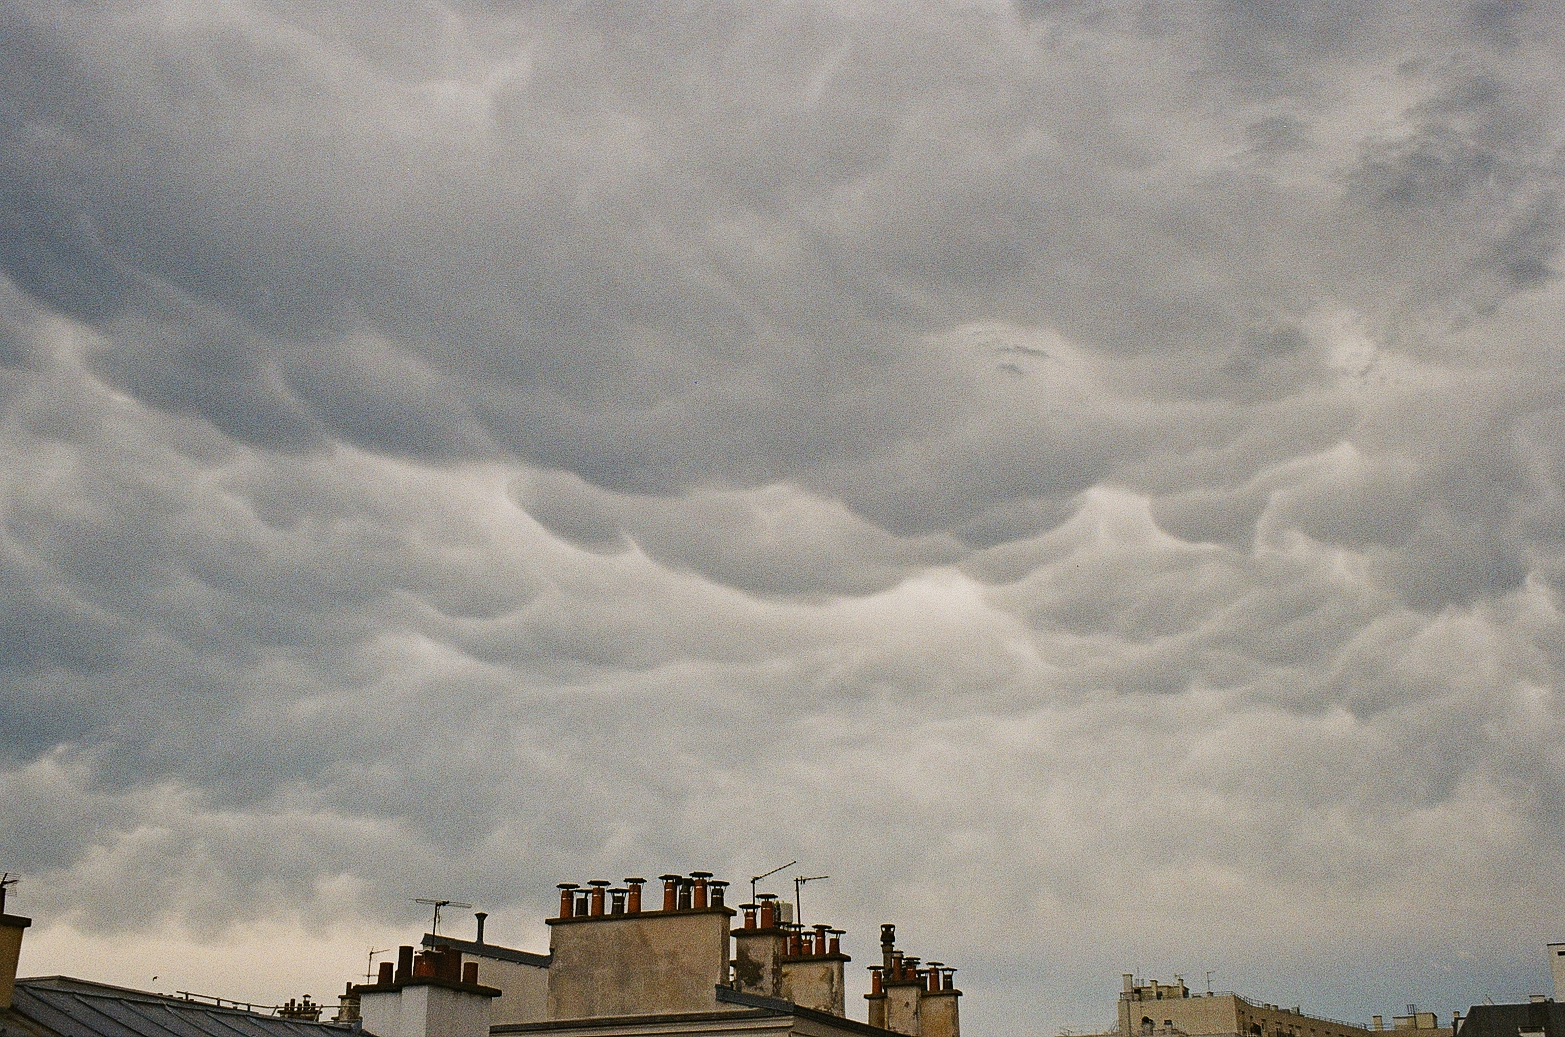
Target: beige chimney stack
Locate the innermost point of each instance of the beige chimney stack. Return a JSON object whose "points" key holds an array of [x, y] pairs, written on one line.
{"points": [[11, 927]]}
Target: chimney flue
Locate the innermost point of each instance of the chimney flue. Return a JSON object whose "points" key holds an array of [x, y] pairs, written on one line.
{"points": [[717, 886], [835, 947], [698, 889], [749, 915], [385, 979], [617, 901], [595, 898], [768, 910], [567, 899], [670, 891], [686, 892], [633, 901], [470, 972], [404, 963], [481, 916]]}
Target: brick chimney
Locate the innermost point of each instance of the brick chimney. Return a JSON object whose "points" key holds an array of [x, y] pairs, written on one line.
{"points": [[11, 927]]}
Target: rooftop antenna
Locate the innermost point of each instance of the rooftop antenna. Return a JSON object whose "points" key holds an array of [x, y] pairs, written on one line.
{"points": [[369, 967], [798, 884], [6, 882], [434, 929], [1209, 982], [757, 878]]}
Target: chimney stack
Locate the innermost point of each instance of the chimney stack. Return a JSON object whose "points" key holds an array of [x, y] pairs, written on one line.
{"points": [[481, 916], [615, 959], [11, 929], [909, 1000], [1557, 963], [671, 891]]}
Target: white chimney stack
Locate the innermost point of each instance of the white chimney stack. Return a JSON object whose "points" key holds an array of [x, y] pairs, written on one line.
{"points": [[1557, 963]]}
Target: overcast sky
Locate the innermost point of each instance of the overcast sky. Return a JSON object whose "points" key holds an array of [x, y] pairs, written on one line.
{"points": [[1089, 478]]}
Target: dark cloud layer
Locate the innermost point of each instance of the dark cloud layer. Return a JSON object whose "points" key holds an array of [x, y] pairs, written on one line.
{"points": [[1110, 455]]}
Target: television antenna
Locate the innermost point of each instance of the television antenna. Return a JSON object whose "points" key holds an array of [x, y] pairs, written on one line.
{"points": [[6, 882], [434, 928], [1209, 981], [757, 878], [798, 884], [369, 966]]}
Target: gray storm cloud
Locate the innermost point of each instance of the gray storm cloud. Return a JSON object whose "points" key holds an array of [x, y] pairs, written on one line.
{"points": [[1108, 457]]}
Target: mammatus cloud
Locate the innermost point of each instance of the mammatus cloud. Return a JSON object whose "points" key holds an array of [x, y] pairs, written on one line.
{"points": [[1087, 477]]}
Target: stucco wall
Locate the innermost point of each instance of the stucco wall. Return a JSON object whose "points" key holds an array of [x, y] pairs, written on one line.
{"points": [[651, 963], [814, 983], [938, 1014], [525, 989], [420, 1010]]}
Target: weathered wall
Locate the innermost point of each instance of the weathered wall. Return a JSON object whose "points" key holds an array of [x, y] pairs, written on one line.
{"points": [[757, 957], [1193, 1015], [525, 997], [814, 982], [652, 963], [938, 1016], [11, 928], [877, 1009], [902, 1004]]}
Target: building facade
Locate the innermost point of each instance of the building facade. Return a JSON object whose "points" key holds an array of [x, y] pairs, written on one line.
{"points": [[1153, 1007]]}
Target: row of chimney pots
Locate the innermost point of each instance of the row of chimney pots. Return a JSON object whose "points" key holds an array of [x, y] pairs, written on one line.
{"points": [[444, 963], [696, 892], [935, 978]]}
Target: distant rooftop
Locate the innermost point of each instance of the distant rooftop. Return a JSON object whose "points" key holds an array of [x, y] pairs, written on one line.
{"points": [[59, 1006]]}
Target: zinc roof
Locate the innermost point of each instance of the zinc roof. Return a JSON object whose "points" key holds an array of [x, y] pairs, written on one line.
{"points": [[73, 1008]]}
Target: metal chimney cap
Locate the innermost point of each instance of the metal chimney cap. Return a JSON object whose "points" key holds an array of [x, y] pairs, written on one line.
{"points": [[700, 874], [599, 882], [568, 885], [635, 881]]}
